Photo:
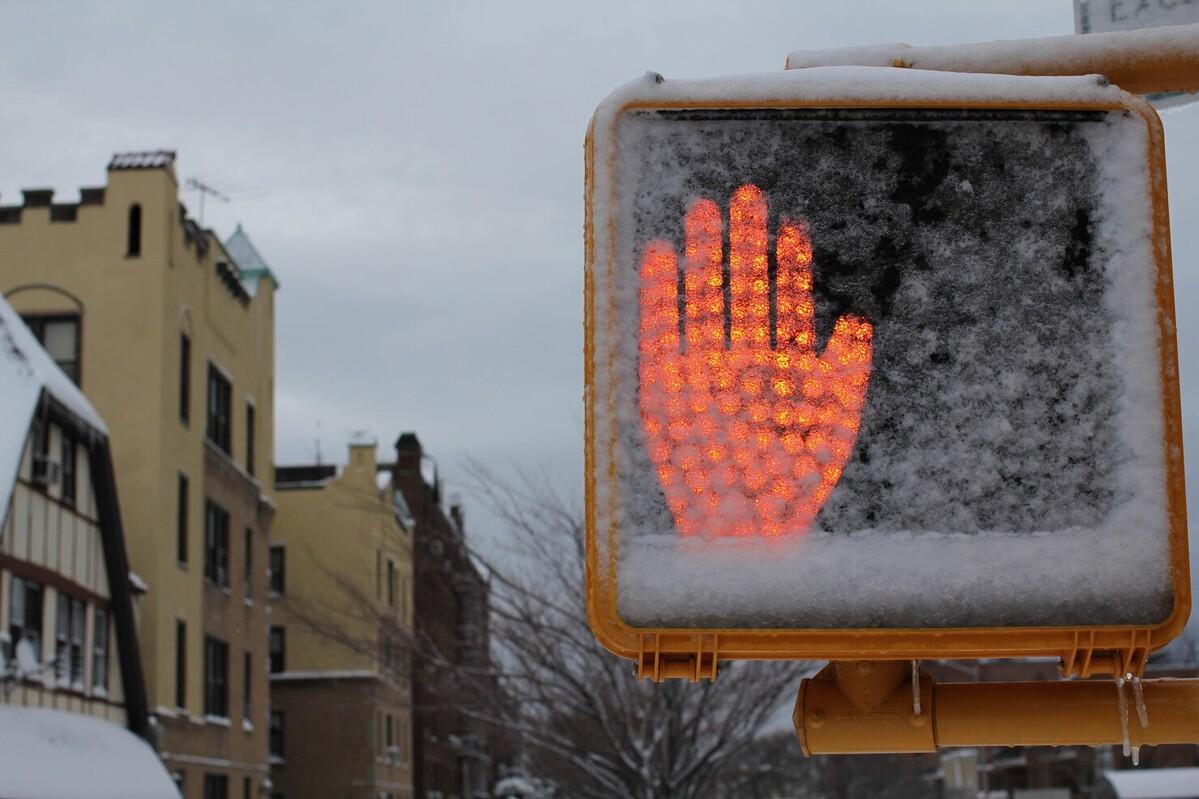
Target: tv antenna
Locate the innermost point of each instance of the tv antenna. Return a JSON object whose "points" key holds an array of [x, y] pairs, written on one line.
{"points": [[205, 190]]}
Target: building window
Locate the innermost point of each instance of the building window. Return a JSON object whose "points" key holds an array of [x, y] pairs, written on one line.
{"points": [[216, 786], [220, 395], [216, 544], [216, 677], [403, 604], [250, 438], [68, 651], [59, 336], [181, 511], [276, 736], [278, 646], [25, 619], [40, 434], [391, 583], [78, 634], [180, 664], [185, 378], [248, 563], [386, 655], [134, 237], [68, 468], [100, 651], [246, 788], [278, 566], [246, 688]]}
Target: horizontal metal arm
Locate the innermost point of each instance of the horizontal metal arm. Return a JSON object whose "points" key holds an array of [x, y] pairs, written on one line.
{"points": [[869, 707], [1144, 61]]}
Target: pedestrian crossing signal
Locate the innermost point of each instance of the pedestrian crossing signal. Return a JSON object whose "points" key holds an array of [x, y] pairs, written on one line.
{"points": [[879, 364]]}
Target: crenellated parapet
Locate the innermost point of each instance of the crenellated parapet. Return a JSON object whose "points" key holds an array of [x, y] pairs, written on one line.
{"points": [[44, 198]]}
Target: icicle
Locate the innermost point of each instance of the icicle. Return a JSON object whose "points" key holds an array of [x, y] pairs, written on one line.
{"points": [[1136, 755], [916, 687], [1123, 702], [1139, 694]]}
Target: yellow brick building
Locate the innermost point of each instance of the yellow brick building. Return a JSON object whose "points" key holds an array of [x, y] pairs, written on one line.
{"points": [[174, 345], [341, 626]]}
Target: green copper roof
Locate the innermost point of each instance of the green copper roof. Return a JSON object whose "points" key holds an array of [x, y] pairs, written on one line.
{"points": [[249, 261]]}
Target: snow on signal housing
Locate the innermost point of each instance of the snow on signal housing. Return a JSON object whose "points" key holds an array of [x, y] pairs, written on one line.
{"points": [[693, 653]]}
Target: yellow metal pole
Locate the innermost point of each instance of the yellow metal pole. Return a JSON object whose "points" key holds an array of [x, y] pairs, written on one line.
{"points": [[1144, 61], [838, 716], [1065, 713]]}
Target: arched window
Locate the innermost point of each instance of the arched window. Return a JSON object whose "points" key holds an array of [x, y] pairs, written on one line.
{"points": [[56, 322], [135, 230]]}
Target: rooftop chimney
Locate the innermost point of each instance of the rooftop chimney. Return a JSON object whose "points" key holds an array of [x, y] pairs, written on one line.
{"points": [[408, 454]]}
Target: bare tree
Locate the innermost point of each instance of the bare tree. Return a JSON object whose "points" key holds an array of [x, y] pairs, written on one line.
{"points": [[355, 622], [586, 722], [347, 609]]}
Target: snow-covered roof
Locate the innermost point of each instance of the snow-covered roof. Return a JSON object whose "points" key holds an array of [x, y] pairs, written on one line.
{"points": [[25, 371], [145, 159], [514, 785], [1155, 783], [249, 261], [52, 754]]}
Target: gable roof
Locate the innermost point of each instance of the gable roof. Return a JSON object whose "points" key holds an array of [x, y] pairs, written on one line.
{"points": [[26, 371], [29, 380]]}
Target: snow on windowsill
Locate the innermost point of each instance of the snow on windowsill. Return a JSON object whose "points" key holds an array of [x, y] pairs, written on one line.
{"points": [[138, 584], [345, 674], [237, 467], [220, 721], [172, 712]]}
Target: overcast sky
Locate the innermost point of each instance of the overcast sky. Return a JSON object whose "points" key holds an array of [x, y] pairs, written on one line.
{"points": [[414, 175]]}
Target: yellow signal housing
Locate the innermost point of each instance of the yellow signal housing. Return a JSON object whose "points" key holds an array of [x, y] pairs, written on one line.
{"points": [[680, 647]]}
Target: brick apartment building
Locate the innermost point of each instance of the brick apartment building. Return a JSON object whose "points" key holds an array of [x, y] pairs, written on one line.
{"points": [[341, 629], [455, 753]]}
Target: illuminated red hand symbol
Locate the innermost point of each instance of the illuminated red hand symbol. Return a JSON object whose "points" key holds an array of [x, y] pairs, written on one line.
{"points": [[747, 438]]}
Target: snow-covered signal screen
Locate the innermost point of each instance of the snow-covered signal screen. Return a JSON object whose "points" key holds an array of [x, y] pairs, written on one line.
{"points": [[883, 352]]}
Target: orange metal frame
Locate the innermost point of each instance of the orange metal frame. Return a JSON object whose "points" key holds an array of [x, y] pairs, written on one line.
{"points": [[693, 654]]}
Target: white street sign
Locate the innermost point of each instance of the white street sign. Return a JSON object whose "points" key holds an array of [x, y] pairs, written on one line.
{"points": [[1102, 16]]}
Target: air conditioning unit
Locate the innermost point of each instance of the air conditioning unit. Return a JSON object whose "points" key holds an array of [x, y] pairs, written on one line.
{"points": [[45, 470]]}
